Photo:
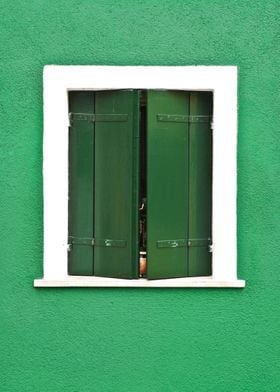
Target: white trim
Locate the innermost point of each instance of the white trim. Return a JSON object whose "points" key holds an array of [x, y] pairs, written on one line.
{"points": [[82, 281], [58, 80]]}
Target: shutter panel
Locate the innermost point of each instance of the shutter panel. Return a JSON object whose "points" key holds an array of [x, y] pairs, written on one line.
{"points": [[200, 184], [81, 148], [167, 186], [116, 184]]}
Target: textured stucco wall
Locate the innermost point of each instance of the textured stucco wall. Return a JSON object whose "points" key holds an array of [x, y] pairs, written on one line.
{"points": [[80, 340]]}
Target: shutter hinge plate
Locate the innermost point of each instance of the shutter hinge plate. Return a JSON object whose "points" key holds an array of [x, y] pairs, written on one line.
{"points": [[73, 117], [191, 242], [180, 118], [81, 241], [111, 243]]}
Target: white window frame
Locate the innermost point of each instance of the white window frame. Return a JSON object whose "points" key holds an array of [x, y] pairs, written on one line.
{"points": [[58, 81]]}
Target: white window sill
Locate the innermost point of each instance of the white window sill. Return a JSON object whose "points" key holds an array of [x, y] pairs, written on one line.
{"points": [[82, 281]]}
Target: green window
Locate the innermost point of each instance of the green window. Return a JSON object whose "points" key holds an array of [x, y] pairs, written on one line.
{"points": [[140, 180]]}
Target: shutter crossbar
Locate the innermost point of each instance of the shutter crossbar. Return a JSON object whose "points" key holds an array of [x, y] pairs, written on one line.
{"points": [[73, 117], [110, 243], [191, 242], [96, 242], [80, 241], [180, 118]]}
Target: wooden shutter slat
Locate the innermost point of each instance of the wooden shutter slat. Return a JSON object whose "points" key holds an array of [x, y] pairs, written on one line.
{"points": [[200, 184], [116, 185], [167, 186], [81, 172]]}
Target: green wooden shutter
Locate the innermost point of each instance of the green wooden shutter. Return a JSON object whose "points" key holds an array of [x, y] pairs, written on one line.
{"points": [[116, 183], [200, 184], [81, 171], [179, 184], [167, 184]]}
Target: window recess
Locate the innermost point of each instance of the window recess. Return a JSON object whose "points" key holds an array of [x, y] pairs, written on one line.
{"points": [[140, 184], [81, 234]]}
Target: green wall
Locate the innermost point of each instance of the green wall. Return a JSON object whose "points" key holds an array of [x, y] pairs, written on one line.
{"points": [[79, 340]]}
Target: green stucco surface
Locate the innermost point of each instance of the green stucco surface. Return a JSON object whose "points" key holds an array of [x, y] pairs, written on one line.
{"points": [[139, 340]]}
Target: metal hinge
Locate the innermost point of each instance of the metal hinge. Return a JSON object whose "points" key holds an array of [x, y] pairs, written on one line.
{"points": [[79, 241], [73, 117], [180, 118], [110, 243], [85, 241], [199, 242], [171, 243], [190, 242]]}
